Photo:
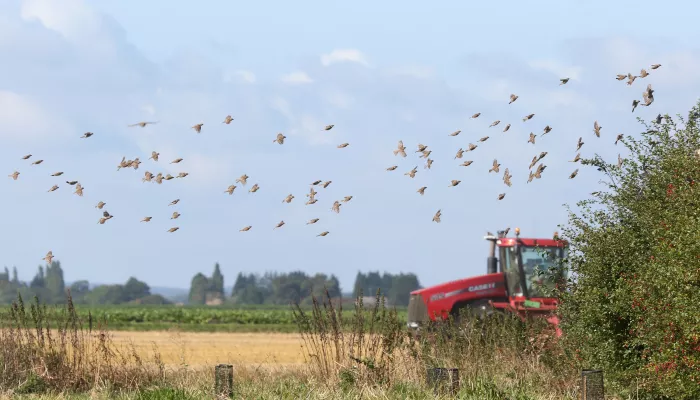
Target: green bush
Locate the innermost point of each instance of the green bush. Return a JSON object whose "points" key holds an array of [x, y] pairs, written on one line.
{"points": [[633, 307]]}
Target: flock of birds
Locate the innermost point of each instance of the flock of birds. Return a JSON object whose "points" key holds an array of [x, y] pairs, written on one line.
{"points": [[647, 100]]}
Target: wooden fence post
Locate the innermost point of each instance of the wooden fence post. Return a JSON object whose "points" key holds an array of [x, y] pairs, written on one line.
{"points": [[592, 385], [443, 378], [223, 381]]}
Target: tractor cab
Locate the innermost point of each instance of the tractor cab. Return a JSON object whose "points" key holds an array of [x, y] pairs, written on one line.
{"points": [[521, 260]]}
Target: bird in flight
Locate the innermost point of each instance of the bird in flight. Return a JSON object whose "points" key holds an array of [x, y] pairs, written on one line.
{"points": [[401, 149], [198, 127], [496, 167], [412, 173], [243, 179], [142, 124]]}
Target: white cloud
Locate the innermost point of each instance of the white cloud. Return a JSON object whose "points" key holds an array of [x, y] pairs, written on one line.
{"points": [[23, 119], [344, 55], [414, 71], [339, 99], [240, 76], [149, 109], [311, 128], [296, 78], [557, 68], [281, 105], [70, 18]]}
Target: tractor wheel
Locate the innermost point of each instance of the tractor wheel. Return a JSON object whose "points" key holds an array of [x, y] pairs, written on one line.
{"points": [[479, 308]]}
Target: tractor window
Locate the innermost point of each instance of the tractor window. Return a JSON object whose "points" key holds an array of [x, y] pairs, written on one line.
{"points": [[539, 258], [512, 272]]}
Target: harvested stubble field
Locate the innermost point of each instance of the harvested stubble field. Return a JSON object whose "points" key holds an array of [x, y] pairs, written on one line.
{"points": [[198, 349]]}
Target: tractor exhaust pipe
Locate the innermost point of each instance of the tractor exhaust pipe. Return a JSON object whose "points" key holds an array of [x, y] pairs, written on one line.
{"points": [[491, 260]]}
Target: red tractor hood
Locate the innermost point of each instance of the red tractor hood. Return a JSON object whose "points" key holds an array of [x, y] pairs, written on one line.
{"points": [[481, 284]]}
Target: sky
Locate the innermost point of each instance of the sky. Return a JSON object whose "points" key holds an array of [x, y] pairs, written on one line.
{"points": [[379, 71]]}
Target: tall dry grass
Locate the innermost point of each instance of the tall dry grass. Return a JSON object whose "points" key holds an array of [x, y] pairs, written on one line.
{"points": [[369, 356], [50, 351], [498, 356]]}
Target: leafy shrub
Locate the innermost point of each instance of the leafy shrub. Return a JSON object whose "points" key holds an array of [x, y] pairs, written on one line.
{"points": [[633, 304]]}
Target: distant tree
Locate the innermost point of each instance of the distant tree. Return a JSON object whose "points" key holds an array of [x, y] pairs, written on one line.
{"points": [[151, 299], [401, 287], [250, 295], [78, 291], [38, 281], [106, 294], [135, 289], [15, 280], [240, 284], [360, 284], [198, 289], [217, 281], [54, 283], [396, 288]]}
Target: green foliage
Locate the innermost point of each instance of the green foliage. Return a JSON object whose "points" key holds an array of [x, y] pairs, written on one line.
{"points": [[217, 281], [500, 357], [283, 288], [397, 287], [48, 285], [205, 290], [632, 304]]}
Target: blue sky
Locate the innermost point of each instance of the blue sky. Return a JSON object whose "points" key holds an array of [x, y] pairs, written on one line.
{"points": [[379, 71]]}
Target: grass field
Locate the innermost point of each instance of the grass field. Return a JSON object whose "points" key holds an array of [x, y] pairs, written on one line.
{"points": [[363, 354]]}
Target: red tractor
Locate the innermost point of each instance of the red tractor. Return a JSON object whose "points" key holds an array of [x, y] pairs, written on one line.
{"points": [[511, 283]]}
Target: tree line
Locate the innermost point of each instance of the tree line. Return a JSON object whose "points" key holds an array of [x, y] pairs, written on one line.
{"points": [[297, 287], [48, 285], [268, 288]]}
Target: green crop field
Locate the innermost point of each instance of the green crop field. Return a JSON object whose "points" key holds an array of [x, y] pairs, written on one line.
{"points": [[186, 318]]}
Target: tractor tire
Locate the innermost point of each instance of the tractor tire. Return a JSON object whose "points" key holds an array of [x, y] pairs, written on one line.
{"points": [[479, 308]]}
